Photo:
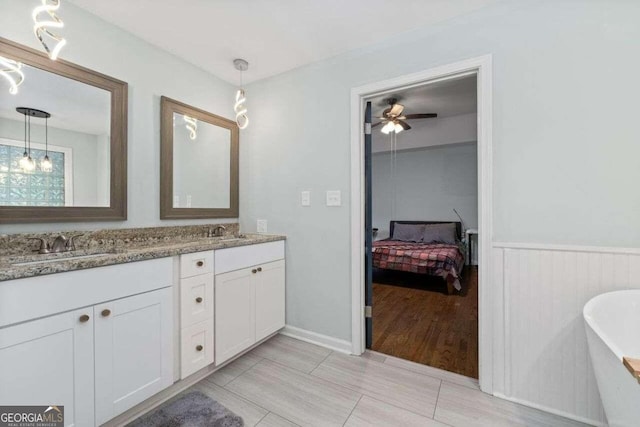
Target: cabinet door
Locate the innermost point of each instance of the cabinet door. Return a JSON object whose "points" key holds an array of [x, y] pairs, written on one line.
{"points": [[50, 362], [196, 347], [270, 298], [133, 351], [234, 313], [196, 299]]}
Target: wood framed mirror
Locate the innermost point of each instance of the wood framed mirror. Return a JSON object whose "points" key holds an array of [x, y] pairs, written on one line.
{"points": [[72, 124], [198, 163]]}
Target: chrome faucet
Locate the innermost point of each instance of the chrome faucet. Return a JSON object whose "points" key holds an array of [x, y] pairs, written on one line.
{"points": [[217, 231], [60, 244]]}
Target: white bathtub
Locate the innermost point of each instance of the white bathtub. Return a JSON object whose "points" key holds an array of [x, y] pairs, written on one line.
{"points": [[613, 332]]}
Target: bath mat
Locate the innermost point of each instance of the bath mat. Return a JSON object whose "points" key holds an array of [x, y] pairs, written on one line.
{"points": [[193, 409]]}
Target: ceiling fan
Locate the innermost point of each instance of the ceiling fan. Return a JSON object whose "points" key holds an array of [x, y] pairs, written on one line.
{"points": [[393, 119]]}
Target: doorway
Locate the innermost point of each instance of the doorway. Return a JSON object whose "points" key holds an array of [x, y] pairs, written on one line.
{"points": [[362, 259]]}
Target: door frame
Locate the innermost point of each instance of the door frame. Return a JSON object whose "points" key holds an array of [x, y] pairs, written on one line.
{"points": [[482, 66]]}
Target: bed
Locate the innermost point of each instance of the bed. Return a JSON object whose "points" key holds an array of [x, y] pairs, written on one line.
{"points": [[444, 260]]}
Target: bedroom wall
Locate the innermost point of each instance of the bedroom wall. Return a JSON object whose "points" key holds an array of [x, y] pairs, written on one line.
{"points": [[151, 73], [429, 183], [564, 152]]}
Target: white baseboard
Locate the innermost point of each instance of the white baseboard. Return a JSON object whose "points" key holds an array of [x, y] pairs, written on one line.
{"points": [[326, 341], [551, 410]]}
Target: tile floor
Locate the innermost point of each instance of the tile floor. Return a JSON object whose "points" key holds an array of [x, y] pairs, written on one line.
{"points": [[286, 382]]}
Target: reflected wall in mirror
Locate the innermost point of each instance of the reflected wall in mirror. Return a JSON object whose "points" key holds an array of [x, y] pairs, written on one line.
{"points": [[62, 142], [199, 157]]}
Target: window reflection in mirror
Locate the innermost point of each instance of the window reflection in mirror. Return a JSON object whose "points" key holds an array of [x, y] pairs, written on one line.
{"points": [[76, 138]]}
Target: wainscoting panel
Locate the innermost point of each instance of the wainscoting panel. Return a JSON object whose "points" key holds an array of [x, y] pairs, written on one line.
{"points": [[544, 350]]}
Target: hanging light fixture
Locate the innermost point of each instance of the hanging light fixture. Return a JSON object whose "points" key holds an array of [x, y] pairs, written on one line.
{"points": [[26, 163], [45, 164], [192, 126], [12, 71], [240, 109], [41, 27]]}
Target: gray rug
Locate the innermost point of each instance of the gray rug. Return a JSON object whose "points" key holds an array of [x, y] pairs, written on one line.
{"points": [[194, 409]]}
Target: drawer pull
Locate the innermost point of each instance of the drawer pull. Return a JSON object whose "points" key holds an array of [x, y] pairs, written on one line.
{"points": [[199, 347], [200, 263], [199, 300], [254, 271], [84, 318], [106, 312], [259, 269]]}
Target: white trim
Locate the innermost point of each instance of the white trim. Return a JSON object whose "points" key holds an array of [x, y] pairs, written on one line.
{"points": [[325, 341], [68, 164], [482, 66], [567, 248], [550, 410]]}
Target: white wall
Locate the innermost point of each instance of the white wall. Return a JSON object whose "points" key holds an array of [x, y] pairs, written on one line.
{"points": [[427, 184], [85, 160], [565, 142], [150, 73], [431, 132]]}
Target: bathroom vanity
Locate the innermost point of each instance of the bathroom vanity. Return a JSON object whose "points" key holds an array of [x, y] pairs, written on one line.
{"points": [[104, 330]]}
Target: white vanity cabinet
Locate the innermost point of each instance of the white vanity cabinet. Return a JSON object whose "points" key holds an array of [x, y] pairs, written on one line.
{"points": [[97, 341], [249, 296], [196, 312]]}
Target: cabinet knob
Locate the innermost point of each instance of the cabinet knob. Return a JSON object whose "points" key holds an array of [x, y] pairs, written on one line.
{"points": [[199, 347], [106, 312], [254, 271], [200, 263], [259, 269], [84, 318], [199, 300]]}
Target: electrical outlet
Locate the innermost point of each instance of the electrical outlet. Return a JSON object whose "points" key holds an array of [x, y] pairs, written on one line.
{"points": [[262, 226], [305, 198], [334, 198]]}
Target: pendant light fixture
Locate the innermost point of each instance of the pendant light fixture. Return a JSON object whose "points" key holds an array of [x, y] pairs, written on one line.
{"points": [[26, 162], [240, 109], [41, 27], [12, 71], [192, 126]]}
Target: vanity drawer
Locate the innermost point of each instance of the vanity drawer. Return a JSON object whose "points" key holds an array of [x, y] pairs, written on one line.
{"points": [[196, 299], [196, 263], [232, 259], [196, 348]]}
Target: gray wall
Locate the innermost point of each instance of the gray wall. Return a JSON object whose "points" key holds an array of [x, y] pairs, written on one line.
{"points": [[427, 184], [151, 73], [564, 133]]}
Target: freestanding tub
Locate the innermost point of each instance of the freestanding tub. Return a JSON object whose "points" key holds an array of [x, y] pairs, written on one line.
{"points": [[613, 332]]}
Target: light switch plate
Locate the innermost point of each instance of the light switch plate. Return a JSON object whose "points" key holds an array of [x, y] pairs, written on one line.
{"points": [[262, 226], [305, 198], [334, 198]]}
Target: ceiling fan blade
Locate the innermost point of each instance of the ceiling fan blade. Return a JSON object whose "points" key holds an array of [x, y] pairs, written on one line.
{"points": [[404, 124], [420, 116], [396, 109], [386, 112], [376, 124]]}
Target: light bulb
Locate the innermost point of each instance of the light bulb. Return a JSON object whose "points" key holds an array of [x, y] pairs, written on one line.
{"points": [[398, 128], [46, 165], [30, 165], [386, 129], [24, 162]]}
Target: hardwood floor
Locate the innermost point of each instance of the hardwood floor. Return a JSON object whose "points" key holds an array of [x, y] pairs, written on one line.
{"points": [[417, 321], [288, 383]]}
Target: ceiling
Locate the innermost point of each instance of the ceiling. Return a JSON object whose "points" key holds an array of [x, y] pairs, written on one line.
{"points": [[446, 98], [73, 106], [275, 35]]}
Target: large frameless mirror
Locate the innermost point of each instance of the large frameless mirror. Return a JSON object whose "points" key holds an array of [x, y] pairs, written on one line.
{"points": [[63, 135]]}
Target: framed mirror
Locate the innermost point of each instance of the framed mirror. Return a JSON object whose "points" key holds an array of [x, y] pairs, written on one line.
{"points": [[199, 163], [63, 140]]}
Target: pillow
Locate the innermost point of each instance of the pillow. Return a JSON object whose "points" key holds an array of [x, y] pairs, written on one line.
{"points": [[408, 232], [440, 233]]}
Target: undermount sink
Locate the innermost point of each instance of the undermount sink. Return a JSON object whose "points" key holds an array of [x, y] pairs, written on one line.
{"points": [[58, 259]]}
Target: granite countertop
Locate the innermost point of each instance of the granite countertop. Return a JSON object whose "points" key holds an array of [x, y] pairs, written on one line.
{"points": [[79, 259]]}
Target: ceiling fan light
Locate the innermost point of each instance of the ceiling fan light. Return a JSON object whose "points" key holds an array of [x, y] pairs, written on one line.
{"points": [[398, 128], [387, 128]]}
